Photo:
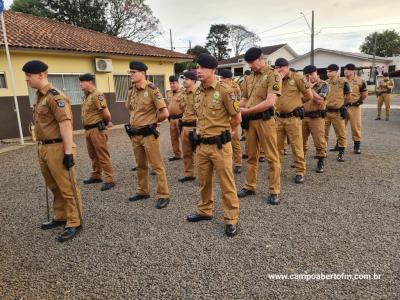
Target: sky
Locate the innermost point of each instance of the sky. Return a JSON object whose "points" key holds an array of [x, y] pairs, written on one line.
{"points": [[275, 22]]}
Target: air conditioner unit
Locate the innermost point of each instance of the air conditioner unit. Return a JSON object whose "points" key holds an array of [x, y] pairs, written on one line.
{"points": [[103, 65]]}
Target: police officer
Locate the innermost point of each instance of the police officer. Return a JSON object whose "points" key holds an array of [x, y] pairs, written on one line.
{"points": [[259, 94], [174, 99], [336, 111], [383, 92], [187, 125], [226, 77], [146, 107], [52, 118], [289, 111], [359, 92], [218, 114], [314, 114], [95, 118]]}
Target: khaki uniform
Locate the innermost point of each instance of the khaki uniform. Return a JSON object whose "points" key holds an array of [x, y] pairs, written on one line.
{"points": [[262, 133], [357, 86], [143, 104], [214, 106], [314, 124], [96, 141], [334, 101], [237, 150], [384, 92], [175, 108], [188, 117], [53, 107], [292, 87]]}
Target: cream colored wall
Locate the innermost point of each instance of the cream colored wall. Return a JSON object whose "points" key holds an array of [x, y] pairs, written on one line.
{"points": [[74, 63]]}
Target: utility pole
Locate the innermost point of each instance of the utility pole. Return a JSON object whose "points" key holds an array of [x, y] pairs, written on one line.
{"points": [[170, 39], [190, 45], [373, 72], [312, 39]]}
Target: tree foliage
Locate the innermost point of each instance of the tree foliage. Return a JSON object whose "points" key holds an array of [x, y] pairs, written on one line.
{"points": [[387, 43]]}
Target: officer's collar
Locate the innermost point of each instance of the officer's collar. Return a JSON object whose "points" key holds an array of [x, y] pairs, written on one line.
{"points": [[262, 70], [142, 85], [45, 89], [90, 91], [190, 90], [288, 75], [213, 85]]}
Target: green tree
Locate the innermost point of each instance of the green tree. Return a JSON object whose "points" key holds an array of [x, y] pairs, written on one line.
{"points": [[218, 41], [387, 43], [197, 50], [32, 7]]}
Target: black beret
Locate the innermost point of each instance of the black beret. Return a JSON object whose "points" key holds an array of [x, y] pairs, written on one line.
{"points": [[190, 75], [35, 67], [207, 61], [173, 78], [333, 67], [350, 67], [137, 65], [252, 54], [309, 69], [86, 77], [281, 62], [247, 72], [226, 73]]}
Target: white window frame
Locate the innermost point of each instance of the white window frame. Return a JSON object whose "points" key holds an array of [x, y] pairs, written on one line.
{"points": [[5, 80]]}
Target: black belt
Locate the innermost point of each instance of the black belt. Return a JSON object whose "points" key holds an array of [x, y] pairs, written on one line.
{"points": [[265, 115], [188, 124], [333, 109], [87, 127], [314, 114], [284, 115], [221, 139], [175, 117], [47, 142]]}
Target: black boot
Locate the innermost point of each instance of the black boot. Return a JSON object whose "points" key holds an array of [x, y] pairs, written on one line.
{"points": [[357, 149], [320, 165], [340, 156], [336, 148]]}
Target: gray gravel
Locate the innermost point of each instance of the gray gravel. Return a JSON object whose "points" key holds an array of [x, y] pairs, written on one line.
{"points": [[343, 221]]}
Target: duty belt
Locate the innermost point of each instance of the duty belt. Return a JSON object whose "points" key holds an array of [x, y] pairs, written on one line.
{"points": [[221, 139], [314, 114], [87, 127], [47, 142], [284, 115], [188, 124], [265, 115], [333, 109], [175, 117]]}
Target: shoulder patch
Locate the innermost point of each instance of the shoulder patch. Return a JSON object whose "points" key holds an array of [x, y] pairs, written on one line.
{"points": [[275, 87], [158, 96], [54, 92], [233, 96], [100, 97], [152, 86], [61, 103]]}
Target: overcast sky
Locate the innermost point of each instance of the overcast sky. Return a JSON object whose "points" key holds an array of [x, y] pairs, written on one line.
{"points": [[191, 20]]}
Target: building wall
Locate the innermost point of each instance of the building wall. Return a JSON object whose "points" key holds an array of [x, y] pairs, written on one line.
{"points": [[66, 63]]}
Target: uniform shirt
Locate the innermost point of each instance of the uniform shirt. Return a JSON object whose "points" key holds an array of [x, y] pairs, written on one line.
{"points": [[188, 105], [143, 104], [236, 89], [357, 86], [174, 102], [214, 106], [387, 85], [338, 89], [292, 87], [258, 85], [92, 105], [322, 89], [51, 108]]}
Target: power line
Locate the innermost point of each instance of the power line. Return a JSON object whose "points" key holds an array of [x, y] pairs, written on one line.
{"points": [[281, 25], [363, 25]]}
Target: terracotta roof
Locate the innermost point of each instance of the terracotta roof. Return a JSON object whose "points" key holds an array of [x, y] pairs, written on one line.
{"points": [[265, 50], [27, 31]]}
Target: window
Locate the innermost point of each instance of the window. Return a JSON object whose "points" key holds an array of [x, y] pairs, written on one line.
{"points": [[67, 83], [121, 85], [158, 81], [3, 84]]}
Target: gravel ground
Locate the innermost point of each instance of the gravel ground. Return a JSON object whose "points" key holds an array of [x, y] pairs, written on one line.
{"points": [[343, 221]]}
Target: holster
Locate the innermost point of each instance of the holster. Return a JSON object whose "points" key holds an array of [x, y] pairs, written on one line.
{"points": [[299, 112], [194, 139], [180, 125], [343, 112], [245, 122], [101, 125]]}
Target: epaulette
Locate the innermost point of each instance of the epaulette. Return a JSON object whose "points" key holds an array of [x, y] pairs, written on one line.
{"points": [[54, 92], [152, 86]]}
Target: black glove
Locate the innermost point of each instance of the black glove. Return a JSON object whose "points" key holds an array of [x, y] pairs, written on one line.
{"points": [[68, 161]]}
